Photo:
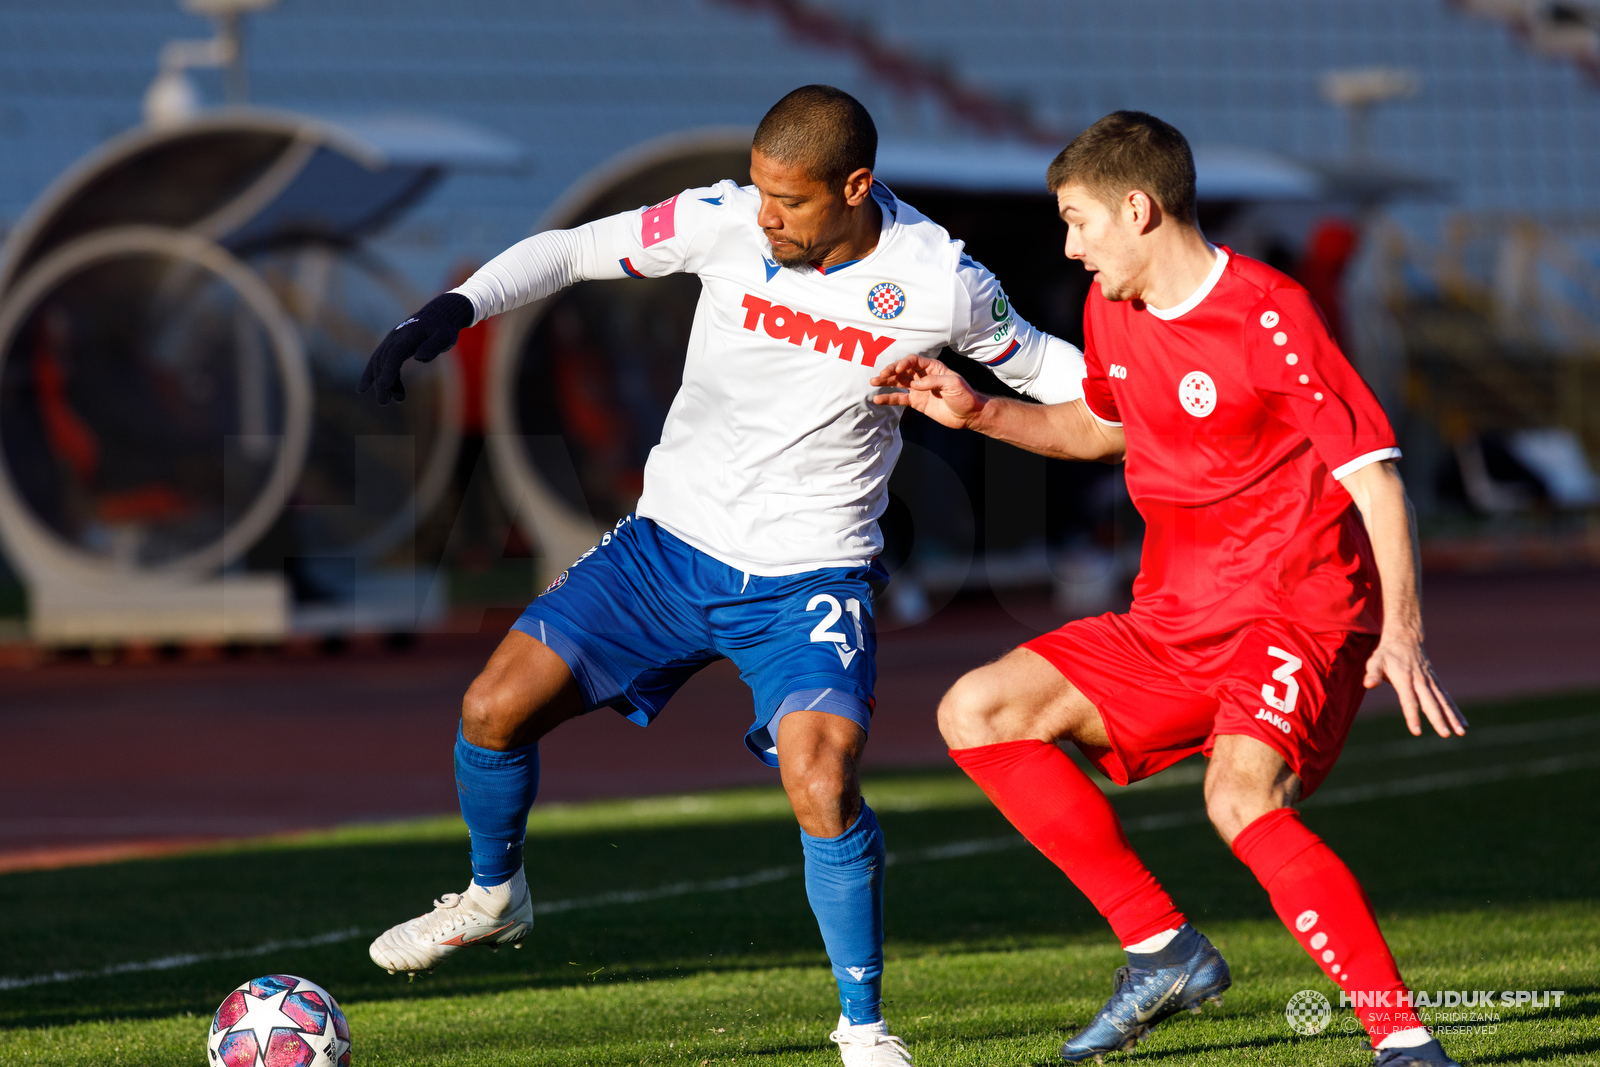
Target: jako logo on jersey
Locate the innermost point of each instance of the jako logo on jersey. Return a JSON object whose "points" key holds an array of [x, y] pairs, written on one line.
{"points": [[796, 327], [1268, 717], [1117, 371], [1305, 920], [886, 300], [1197, 393]]}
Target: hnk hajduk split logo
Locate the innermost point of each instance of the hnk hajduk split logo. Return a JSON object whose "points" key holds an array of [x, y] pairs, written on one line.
{"points": [[1308, 1012], [1464, 1010]]}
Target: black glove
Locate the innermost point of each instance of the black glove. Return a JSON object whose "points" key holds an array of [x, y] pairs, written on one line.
{"points": [[421, 337]]}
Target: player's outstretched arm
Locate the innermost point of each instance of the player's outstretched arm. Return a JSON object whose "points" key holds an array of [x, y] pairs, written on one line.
{"points": [[1381, 498], [648, 243], [530, 269], [1060, 431]]}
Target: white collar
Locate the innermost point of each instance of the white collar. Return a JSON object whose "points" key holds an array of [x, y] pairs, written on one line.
{"points": [[1200, 293]]}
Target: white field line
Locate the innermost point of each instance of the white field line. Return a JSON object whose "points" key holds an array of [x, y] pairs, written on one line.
{"points": [[1428, 783], [1477, 737], [1185, 775], [676, 889], [167, 963], [1431, 783], [1428, 746]]}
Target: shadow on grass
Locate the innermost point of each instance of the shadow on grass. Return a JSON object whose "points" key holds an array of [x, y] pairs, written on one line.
{"points": [[1241, 1045], [1542, 1055], [204, 902]]}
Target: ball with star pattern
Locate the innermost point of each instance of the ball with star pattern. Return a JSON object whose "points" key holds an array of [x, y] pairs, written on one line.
{"points": [[279, 1020]]}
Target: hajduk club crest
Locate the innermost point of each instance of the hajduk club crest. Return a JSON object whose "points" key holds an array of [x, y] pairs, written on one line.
{"points": [[886, 300]]}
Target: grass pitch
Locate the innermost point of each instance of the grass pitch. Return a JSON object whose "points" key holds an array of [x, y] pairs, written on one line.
{"points": [[675, 930]]}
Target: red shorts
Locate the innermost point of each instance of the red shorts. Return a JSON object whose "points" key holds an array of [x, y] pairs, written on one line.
{"points": [[1295, 690]]}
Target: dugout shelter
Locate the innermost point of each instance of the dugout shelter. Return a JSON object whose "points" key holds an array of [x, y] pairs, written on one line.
{"points": [[183, 316]]}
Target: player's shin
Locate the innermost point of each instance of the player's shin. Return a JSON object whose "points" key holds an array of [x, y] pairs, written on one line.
{"points": [[496, 790], [1064, 815], [1328, 912], [844, 882]]}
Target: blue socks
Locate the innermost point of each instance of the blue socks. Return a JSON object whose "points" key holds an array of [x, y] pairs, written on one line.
{"points": [[844, 874], [496, 790], [844, 882]]}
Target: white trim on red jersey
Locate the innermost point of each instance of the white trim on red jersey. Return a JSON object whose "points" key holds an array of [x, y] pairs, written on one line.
{"points": [[1377, 456], [1097, 418], [1199, 294]]}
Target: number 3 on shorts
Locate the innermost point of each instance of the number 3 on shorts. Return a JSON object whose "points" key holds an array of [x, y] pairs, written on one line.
{"points": [[824, 631], [1284, 674]]}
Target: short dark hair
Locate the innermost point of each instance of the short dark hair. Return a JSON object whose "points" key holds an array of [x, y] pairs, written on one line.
{"points": [[1130, 150], [822, 129]]}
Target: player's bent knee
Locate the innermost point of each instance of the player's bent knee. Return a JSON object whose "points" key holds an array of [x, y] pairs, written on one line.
{"points": [[820, 784], [1231, 804], [485, 712], [968, 711], [496, 711], [1228, 814], [1246, 780], [822, 790]]}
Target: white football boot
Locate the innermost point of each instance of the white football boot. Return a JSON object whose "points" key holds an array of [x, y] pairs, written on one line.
{"points": [[869, 1045], [478, 916]]}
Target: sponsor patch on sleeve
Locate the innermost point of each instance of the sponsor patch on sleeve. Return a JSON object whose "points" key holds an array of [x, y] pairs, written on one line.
{"points": [[659, 222]]}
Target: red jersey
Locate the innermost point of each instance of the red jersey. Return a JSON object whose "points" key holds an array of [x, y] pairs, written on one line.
{"points": [[1240, 413]]}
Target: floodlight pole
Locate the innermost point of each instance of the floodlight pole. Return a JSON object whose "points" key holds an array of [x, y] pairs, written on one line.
{"points": [[228, 17], [172, 99], [1358, 92], [235, 79]]}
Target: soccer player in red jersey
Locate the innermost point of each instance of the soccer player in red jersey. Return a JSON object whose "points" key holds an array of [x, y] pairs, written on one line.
{"points": [[1278, 583]]}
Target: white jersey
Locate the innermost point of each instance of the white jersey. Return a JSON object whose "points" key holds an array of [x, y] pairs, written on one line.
{"points": [[773, 458]]}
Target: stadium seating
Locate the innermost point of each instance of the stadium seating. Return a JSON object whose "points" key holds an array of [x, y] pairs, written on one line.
{"points": [[1512, 128]]}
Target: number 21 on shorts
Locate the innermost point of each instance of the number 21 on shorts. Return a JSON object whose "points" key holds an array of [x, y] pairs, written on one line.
{"points": [[824, 631]]}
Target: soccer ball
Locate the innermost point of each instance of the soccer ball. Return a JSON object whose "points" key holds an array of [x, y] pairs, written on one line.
{"points": [[279, 1021]]}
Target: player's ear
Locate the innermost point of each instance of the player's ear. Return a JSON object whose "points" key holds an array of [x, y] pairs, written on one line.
{"points": [[857, 187], [1141, 209]]}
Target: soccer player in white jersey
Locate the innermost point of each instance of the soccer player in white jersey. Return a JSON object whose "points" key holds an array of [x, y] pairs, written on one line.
{"points": [[756, 537]]}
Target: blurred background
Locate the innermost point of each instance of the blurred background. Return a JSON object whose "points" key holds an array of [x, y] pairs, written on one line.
{"points": [[213, 209]]}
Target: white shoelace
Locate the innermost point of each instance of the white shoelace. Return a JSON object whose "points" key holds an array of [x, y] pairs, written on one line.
{"points": [[445, 916], [873, 1041]]}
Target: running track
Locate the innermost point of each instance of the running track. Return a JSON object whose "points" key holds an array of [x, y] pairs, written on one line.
{"points": [[103, 762]]}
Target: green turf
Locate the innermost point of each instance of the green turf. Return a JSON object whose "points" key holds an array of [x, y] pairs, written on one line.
{"points": [[1483, 859]]}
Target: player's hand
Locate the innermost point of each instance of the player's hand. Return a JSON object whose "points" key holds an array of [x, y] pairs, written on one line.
{"points": [[1400, 659], [421, 337], [932, 388]]}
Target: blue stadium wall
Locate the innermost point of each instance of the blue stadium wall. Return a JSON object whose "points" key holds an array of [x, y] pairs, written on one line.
{"points": [[575, 84]]}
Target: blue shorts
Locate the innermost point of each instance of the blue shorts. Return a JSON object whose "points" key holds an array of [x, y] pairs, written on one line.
{"points": [[642, 611]]}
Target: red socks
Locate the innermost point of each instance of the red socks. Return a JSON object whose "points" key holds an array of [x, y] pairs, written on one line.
{"points": [[1062, 813], [1328, 912], [1065, 815]]}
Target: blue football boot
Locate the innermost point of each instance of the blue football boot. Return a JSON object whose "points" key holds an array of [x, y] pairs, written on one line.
{"points": [[1430, 1055], [1152, 987]]}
